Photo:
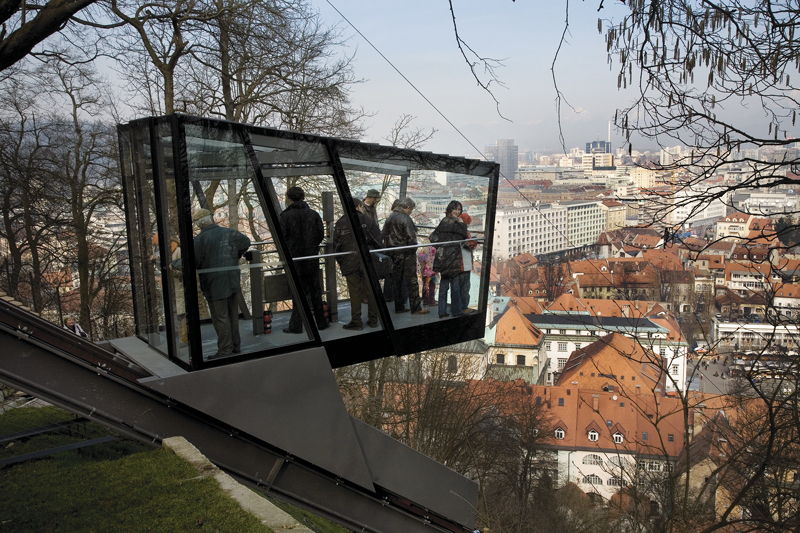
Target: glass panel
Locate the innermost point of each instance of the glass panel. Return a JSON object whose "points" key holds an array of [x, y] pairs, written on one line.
{"points": [[144, 251], [327, 257], [448, 287], [257, 291], [171, 266]]}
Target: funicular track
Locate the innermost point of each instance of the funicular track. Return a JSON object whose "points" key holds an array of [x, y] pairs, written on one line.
{"points": [[46, 361]]}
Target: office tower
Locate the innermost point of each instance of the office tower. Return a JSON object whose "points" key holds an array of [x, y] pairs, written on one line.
{"points": [[506, 153], [598, 147]]}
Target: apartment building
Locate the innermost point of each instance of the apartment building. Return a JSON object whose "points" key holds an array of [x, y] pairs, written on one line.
{"points": [[538, 229]]}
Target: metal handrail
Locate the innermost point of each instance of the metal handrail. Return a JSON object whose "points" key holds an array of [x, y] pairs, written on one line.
{"points": [[340, 254], [414, 246]]}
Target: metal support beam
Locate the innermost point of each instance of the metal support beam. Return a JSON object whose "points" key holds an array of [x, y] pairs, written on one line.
{"points": [[87, 390]]}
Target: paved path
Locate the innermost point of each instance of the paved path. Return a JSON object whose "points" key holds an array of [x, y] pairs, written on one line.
{"points": [[709, 383]]}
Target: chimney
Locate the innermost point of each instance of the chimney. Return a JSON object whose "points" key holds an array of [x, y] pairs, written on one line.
{"points": [[595, 400]]}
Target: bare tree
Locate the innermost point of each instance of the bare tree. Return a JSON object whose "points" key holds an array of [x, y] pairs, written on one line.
{"points": [[26, 25], [551, 276], [692, 65]]}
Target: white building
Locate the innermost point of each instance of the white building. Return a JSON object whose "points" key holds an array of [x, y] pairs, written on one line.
{"points": [[586, 221], [690, 211], [538, 229]]}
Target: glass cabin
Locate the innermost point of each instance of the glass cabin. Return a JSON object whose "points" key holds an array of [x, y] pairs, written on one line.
{"points": [[175, 166]]}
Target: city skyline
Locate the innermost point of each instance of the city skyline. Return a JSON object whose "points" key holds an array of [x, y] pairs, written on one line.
{"points": [[419, 40]]}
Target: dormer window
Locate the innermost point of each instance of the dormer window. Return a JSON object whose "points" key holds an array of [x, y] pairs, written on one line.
{"points": [[593, 435], [559, 433], [618, 438]]}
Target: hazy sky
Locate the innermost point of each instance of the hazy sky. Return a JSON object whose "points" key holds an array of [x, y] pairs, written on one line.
{"points": [[417, 37]]}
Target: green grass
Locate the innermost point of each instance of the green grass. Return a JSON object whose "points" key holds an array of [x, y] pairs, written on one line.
{"points": [[119, 486], [311, 521]]}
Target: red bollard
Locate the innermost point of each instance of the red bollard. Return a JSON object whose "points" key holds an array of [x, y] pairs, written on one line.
{"points": [[325, 311]]}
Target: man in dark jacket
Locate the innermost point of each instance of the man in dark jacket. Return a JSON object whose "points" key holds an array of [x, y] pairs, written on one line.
{"points": [[400, 230], [219, 249], [357, 283], [448, 258], [302, 227]]}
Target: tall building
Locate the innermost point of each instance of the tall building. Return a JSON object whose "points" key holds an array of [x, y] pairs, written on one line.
{"points": [[506, 153], [598, 147]]}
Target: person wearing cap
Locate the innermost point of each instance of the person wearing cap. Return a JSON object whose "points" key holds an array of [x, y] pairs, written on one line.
{"points": [[400, 231], [303, 229], [373, 197], [219, 249]]}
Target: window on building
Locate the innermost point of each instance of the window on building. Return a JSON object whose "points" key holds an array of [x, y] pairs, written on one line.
{"points": [[547, 346], [559, 433], [562, 362], [561, 402], [674, 370], [616, 482], [452, 364], [670, 438], [644, 435], [562, 346], [618, 438], [593, 459], [593, 436], [593, 480], [617, 461], [501, 359], [520, 359]]}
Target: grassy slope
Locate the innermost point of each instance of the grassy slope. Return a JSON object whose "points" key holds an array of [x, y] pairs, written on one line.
{"points": [[120, 486]]}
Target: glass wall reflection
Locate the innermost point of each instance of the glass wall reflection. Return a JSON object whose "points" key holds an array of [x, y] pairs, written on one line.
{"points": [[241, 274]]}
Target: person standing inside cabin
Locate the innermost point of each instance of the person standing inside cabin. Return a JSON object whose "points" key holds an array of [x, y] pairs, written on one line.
{"points": [[448, 258], [344, 241], [219, 249], [369, 203], [400, 231], [302, 227], [466, 266]]}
